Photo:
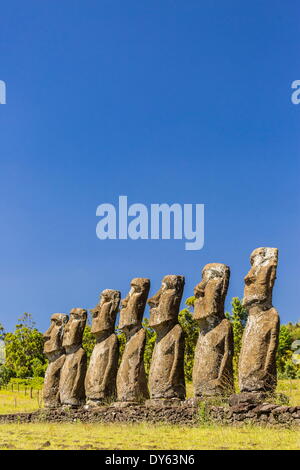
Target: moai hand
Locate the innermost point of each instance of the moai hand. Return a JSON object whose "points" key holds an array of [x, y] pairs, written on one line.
{"points": [[71, 385], [55, 354], [100, 381], [131, 378], [212, 371], [257, 364], [166, 377]]}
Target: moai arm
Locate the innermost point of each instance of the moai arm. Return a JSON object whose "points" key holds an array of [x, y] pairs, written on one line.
{"points": [[80, 375], [112, 353], [272, 349], [177, 347], [228, 351]]}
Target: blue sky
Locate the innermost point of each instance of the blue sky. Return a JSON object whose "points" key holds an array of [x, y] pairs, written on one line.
{"points": [[162, 101]]}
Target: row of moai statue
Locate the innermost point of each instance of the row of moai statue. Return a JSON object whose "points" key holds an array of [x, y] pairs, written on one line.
{"points": [[68, 380]]}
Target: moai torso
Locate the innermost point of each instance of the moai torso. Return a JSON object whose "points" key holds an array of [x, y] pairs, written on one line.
{"points": [[212, 371], [257, 363], [166, 377], [71, 385], [55, 354], [131, 377], [100, 381]]}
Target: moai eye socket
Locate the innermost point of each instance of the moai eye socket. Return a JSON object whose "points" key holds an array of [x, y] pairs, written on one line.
{"points": [[249, 280]]}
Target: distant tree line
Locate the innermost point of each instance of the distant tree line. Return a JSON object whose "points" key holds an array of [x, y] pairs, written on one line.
{"points": [[24, 356]]}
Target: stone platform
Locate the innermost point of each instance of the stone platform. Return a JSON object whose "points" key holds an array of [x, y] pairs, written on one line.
{"points": [[184, 415]]}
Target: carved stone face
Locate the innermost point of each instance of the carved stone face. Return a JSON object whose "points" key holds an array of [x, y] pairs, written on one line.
{"points": [[75, 327], [164, 305], [133, 305], [260, 279], [210, 293], [104, 314], [53, 337]]}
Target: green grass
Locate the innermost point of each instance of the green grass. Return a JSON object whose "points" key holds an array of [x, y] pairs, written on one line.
{"points": [[139, 436], [18, 402], [143, 436], [291, 388]]}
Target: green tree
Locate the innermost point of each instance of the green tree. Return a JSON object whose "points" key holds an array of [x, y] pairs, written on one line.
{"points": [[150, 343], [294, 329], [122, 341], [2, 332], [24, 349], [88, 341], [238, 318], [285, 367], [191, 333]]}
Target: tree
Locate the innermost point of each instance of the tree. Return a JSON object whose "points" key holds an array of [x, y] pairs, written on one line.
{"points": [[122, 342], [88, 341], [24, 349], [191, 332], [238, 318], [150, 343], [285, 366], [2, 332]]}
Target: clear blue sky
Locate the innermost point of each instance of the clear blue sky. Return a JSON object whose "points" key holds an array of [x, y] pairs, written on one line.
{"points": [[162, 101]]}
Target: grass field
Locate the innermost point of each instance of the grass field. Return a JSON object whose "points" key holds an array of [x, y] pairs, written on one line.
{"points": [[139, 436], [17, 402], [143, 436]]}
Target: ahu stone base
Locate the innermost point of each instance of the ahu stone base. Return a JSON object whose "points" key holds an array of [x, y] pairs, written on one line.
{"points": [[184, 415]]}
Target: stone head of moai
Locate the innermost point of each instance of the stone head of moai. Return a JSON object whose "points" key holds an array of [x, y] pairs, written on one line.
{"points": [[105, 313], [74, 328], [133, 305], [164, 305], [53, 337], [260, 279], [211, 292]]}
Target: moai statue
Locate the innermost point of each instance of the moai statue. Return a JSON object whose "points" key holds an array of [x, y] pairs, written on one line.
{"points": [[131, 378], [55, 354], [212, 371], [166, 377], [71, 385], [100, 381], [257, 364]]}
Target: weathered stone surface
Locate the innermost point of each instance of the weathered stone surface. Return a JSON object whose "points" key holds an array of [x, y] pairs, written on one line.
{"points": [[257, 364], [212, 371], [71, 385], [55, 354], [250, 398], [166, 377], [100, 381], [131, 378]]}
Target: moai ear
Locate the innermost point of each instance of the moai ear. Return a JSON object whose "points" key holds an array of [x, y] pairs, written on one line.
{"points": [[272, 276]]}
